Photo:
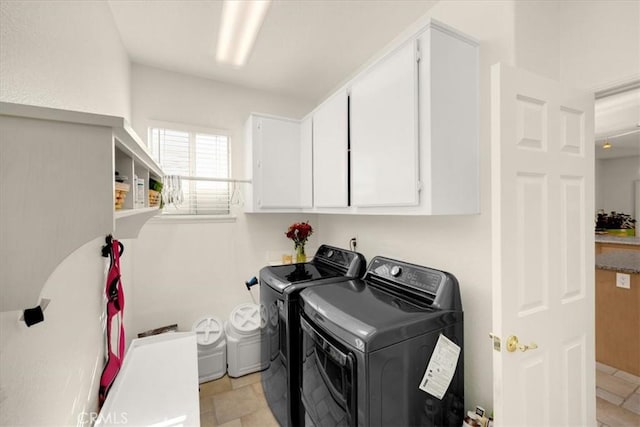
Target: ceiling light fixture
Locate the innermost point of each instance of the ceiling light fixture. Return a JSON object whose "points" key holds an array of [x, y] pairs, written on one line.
{"points": [[606, 144], [241, 21]]}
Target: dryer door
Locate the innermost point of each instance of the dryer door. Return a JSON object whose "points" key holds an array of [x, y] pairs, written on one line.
{"points": [[329, 380]]}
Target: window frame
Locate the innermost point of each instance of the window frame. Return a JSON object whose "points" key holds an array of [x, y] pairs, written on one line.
{"points": [[166, 215]]}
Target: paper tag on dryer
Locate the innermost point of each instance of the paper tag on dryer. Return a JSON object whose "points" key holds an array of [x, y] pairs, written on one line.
{"points": [[441, 367]]}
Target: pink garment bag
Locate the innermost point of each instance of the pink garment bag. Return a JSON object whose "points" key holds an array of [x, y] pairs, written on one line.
{"points": [[115, 311]]}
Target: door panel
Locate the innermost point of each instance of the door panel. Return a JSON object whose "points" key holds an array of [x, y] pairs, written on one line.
{"points": [[543, 265], [306, 163], [279, 164], [384, 132], [330, 149], [572, 258], [532, 281]]}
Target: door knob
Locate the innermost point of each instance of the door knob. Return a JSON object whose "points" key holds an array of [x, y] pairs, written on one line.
{"points": [[513, 345]]}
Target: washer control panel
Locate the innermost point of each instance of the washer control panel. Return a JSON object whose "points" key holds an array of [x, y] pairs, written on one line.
{"points": [[343, 258]]}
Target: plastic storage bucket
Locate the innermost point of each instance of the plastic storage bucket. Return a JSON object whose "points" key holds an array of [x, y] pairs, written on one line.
{"points": [[244, 329], [212, 348]]}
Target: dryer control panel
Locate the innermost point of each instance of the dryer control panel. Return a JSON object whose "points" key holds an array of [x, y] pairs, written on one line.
{"points": [[439, 286]]}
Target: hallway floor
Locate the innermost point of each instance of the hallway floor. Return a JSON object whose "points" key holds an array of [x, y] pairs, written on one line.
{"points": [[618, 397], [240, 402]]}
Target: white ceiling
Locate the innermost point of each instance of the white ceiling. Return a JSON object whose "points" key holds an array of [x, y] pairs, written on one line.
{"points": [[621, 146], [304, 48], [618, 120]]}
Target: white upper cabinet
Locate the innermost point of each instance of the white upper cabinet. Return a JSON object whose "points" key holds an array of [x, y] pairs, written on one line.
{"points": [[306, 162], [384, 131], [330, 152], [415, 128], [275, 151], [449, 123], [400, 139]]}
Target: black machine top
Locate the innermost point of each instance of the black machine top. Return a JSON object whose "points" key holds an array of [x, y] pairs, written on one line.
{"points": [[394, 301], [328, 264]]}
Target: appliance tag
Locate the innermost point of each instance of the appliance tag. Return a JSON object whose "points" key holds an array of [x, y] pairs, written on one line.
{"points": [[441, 367]]}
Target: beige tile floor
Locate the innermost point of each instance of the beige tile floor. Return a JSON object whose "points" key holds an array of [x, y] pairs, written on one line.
{"points": [[240, 402], [618, 397], [235, 402]]}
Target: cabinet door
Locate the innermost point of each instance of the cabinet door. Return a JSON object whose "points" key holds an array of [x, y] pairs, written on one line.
{"points": [[306, 162], [278, 163], [330, 153], [449, 123], [384, 137]]}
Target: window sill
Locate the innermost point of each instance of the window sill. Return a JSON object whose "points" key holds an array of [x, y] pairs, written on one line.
{"points": [[191, 219]]}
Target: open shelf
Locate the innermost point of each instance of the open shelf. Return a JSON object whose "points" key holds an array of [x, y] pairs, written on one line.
{"points": [[63, 161]]}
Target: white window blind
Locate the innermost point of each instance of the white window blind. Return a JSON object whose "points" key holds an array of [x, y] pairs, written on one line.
{"points": [[197, 155]]}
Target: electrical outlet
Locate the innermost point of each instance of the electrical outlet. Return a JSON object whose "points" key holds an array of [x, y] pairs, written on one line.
{"points": [[623, 280], [353, 243]]}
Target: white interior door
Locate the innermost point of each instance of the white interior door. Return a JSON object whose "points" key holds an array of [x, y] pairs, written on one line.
{"points": [[543, 250]]}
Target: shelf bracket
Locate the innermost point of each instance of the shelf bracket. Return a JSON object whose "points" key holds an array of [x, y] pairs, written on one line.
{"points": [[35, 315]]}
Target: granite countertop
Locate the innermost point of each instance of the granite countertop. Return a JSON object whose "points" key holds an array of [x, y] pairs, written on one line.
{"points": [[608, 238], [622, 261]]}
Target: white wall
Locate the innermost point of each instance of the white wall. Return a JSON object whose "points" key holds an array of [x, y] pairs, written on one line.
{"points": [[51, 371], [598, 186], [615, 190], [187, 270], [600, 42], [587, 44], [63, 54]]}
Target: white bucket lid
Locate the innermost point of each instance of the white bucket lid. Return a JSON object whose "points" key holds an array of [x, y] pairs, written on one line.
{"points": [[209, 331], [245, 319]]}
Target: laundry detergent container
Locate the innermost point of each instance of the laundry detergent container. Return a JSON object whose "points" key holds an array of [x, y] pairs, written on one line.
{"points": [[243, 330], [212, 348]]}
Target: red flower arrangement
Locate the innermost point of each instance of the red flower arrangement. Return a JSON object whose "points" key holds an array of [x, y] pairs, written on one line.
{"points": [[299, 232]]}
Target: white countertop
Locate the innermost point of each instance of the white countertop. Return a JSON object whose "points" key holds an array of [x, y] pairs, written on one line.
{"points": [[157, 384]]}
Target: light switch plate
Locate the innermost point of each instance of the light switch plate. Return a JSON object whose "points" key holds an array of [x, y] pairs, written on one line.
{"points": [[623, 280]]}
